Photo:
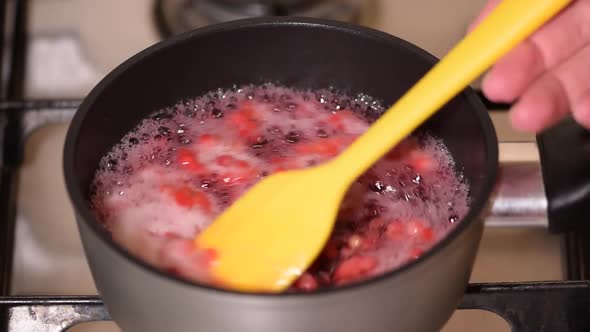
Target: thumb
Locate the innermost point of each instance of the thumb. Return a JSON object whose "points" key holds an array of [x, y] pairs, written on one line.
{"points": [[487, 9]]}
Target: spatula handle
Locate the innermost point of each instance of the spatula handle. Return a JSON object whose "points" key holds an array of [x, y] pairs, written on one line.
{"points": [[509, 24]]}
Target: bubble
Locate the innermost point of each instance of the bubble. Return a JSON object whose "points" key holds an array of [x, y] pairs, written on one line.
{"points": [[275, 130], [390, 189], [185, 140], [292, 137], [164, 131], [217, 113], [260, 142], [322, 133], [161, 116], [111, 163], [209, 105], [373, 209], [417, 179], [205, 184], [378, 187], [133, 141], [190, 113]]}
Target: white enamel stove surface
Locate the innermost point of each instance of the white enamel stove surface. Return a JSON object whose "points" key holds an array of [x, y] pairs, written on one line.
{"points": [[74, 43]]}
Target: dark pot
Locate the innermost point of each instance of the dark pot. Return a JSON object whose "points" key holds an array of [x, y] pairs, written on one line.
{"points": [[304, 53]]}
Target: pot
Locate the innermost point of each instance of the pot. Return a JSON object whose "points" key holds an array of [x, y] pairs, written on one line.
{"points": [[303, 53]]}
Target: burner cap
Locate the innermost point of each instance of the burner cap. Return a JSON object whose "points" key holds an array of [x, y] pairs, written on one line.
{"points": [[177, 16]]}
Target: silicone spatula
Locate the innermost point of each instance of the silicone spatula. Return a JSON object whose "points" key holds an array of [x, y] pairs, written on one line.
{"points": [[270, 235]]}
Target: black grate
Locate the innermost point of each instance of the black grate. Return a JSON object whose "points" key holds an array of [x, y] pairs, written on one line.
{"points": [[551, 306]]}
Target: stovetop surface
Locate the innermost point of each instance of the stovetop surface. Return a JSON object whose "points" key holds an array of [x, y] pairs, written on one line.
{"points": [[71, 44]]}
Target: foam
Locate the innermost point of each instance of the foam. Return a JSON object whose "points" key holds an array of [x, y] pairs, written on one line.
{"points": [[265, 128]]}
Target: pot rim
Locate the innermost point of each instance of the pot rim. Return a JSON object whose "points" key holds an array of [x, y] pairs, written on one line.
{"points": [[81, 207]]}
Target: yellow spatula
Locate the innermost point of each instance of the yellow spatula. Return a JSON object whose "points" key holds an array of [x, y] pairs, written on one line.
{"points": [[268, 237]]}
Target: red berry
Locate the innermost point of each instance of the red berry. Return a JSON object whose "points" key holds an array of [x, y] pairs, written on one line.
{"points": [[187, 160], [225, 160], [186, 197], [330, 251], [229, 161], [416, 253], [306, 282], [355, 267], [275, 160], [208, 140], [328, 147], [241, 164], [418, 229], [201, 200], [244, 121], [282, 163], [168, 235], [422, 162], [427, 234], [207, 258], [395, 230], [340, 119]]}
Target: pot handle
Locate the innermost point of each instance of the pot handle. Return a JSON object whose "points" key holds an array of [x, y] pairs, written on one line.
{"points": [[564, 151]]}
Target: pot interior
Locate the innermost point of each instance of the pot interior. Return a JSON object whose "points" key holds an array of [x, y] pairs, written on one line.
{"points": [[301, 53]]}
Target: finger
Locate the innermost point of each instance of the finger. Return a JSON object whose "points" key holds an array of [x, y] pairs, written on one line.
{"points": [[582, 111], [559, 39], [544, 103], [487, 9], [561, 90]]}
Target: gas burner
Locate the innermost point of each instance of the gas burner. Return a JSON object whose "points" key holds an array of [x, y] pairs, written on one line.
{"points": [[177, 16]]}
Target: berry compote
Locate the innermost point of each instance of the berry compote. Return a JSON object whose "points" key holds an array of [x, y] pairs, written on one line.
{"points": [[171, 176]]}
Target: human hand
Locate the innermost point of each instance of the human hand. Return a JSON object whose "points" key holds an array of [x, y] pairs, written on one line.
{"points": [[548, 75]]}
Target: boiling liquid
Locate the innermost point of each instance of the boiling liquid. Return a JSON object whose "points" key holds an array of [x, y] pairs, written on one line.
{"points": [[169, 178]]}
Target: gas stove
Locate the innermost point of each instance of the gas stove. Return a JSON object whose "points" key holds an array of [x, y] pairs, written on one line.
{"points": [[531, 273]]}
